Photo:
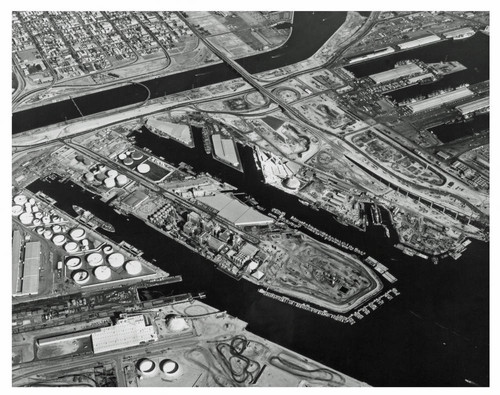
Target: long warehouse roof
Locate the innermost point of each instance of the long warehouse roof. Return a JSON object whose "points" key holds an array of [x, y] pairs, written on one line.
{"points": [[395, 73], [476, 105], [439, 100]]}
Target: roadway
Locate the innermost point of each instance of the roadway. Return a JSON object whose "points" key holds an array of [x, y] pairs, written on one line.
{"points": [[318, 131]]}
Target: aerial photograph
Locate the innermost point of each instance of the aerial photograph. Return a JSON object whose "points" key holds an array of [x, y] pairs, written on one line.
{"points": [[250, 198]]}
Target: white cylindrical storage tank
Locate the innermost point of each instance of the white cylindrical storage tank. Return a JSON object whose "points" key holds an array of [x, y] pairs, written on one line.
{"points": [[20, 200], [122, 156], [17, 210], [56, 229], [170, 368], [35, 209], [32, 201], [39, 215], [39, 230], [143, 168], [89, 177], [147, 367], [133, 267], [73, 263], [46, 219], [26, 218], [112, 173], [102, 273], [37, 222], [59, 240], [56, 219], [121, 180], [80, 277], [136, 155], [48, 234], [77, 234], [94, 259], [116, 259], [109, 183], [71, 246], [107, 249], [128, 161], [85, 242]]}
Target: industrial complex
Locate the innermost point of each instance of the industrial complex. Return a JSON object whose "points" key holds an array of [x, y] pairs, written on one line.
{"points": [[321, 194]]}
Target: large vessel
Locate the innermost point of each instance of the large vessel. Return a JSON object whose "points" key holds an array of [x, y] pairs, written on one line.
{"points": [[91, 220]]}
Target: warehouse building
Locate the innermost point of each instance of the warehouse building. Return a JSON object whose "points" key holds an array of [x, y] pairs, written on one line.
{"points": [[482, 104], [419, 42], [127, 332], [395, 73], [439, 100]]}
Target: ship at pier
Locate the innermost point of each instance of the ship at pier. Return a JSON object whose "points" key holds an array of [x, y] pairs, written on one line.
{"points": [[91, 220]]}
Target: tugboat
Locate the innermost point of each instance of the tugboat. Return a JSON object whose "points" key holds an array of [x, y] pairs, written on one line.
{"points": [[91, 220]]}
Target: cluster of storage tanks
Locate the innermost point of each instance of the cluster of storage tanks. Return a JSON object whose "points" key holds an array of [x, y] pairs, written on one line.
{"points": [[74, 241], [128, 158], [168, 368], [100, 265], [110, 178]]}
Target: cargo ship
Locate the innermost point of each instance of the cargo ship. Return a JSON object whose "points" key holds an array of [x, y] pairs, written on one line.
{"points": [[91, 220]]}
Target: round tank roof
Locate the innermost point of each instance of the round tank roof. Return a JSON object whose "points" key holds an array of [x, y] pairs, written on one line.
{"points": [[143, 168], [31, 201], [112, 173], [37, 222], [292, 183], [48, 234], [102, 273], [59, 240], [56, 228], [169, 366], [39, 230], [26, 218], [122, 156], [35, 209], [107, 249], [136, 155], [80, 276], [133, 267], [121, 179], [71, 246], [89, 177], [77, 233], [46, 219], [20, 199], [17, 210], [94, 259], [116, 259], [176, 324], [38, 215], [109, 182], [100, 176], [73, 263], [146, 366], [128, 161]]}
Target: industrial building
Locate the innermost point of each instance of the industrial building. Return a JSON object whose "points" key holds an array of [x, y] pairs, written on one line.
{"points": [[374, 54], [225, 149], [31, 269], [461, 33], [135, 198], [439, 100], [482, 104], [419, 42], [395, 73], [127, 332], [16, 262], [176, 131], [234, 211]]}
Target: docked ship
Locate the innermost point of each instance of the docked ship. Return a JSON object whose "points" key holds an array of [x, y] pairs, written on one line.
{"points": [[91, 220]]}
